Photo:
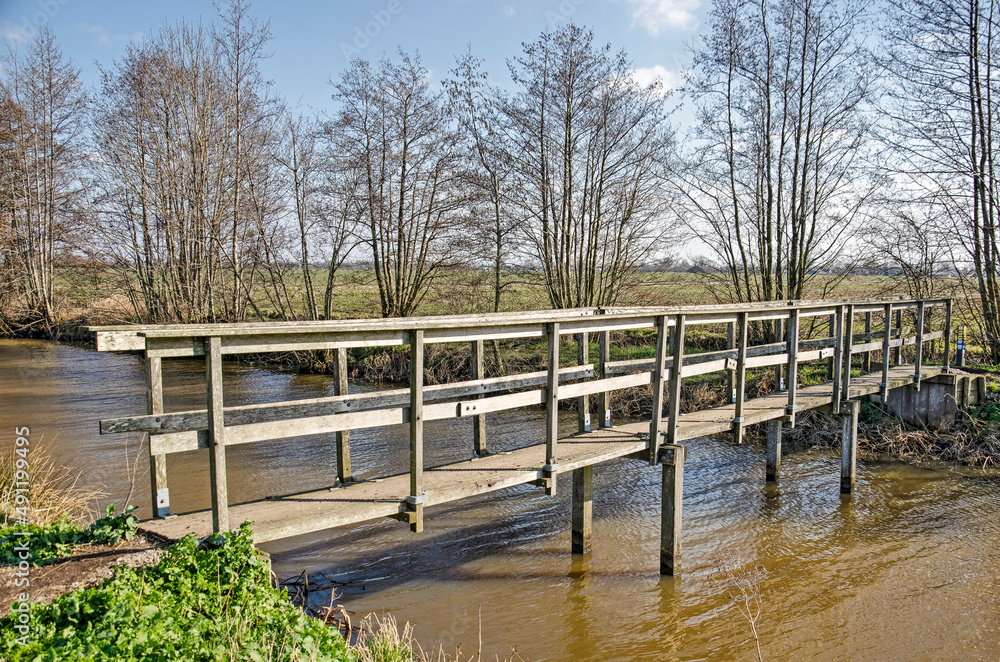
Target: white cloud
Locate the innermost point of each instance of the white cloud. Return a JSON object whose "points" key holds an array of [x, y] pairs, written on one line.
{"points": [[509, 11], [105, 37], [13, 33], [658, 15], [647, 75]]}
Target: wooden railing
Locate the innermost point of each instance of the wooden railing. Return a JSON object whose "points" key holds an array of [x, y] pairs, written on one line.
{"points": [[218, 426]]}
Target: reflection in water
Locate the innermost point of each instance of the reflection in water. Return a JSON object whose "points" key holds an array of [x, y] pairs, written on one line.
{"points": [[905, 570]]}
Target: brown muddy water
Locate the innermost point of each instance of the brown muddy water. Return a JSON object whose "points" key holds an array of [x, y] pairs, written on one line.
{"points": [[905, 570]]}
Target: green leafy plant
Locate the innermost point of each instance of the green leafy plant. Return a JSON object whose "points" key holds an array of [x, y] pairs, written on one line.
{"points": [[199, 603], [57, 539]]}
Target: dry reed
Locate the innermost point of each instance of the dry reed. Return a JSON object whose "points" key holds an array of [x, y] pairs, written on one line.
{"points": [[54, 490]]}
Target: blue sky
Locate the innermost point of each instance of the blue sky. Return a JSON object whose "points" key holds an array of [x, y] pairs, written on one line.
{"points": [[311, 38]]}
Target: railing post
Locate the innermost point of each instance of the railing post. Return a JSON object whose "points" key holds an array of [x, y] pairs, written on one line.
{"points": [[583, 402], [741, 376], [778, 337], [866, 358], [415, 501], [917, 364], [947, 336], [674, 396], [656, 413], [899, 334], [845, 394], [344, 473], [838, 357], [886, 354], [157, 463], [552, 411], [604, 398], [731, 374], [216, 435], [479, 420], [793, 363], [831, 371]]}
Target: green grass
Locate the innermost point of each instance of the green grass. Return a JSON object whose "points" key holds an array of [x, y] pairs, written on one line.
{"points": [[195, 605]]}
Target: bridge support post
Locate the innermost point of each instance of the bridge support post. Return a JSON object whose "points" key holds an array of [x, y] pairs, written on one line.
{"points": [[157, 463], [848, 444], [583, 508], [672, 458], [773, 450], [479, 420], [344, 474]]}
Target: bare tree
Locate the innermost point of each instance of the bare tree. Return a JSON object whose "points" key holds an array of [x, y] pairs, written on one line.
{"points": [[777, 173], [394, 135], [44, 93], [589, 147], [942, 106], [477, 109]]}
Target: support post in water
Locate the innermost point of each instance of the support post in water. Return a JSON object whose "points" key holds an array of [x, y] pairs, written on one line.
{"points": [[583, 402], [552, 411], [604, 398], [848, 444], [741, 376], [216, 435], [672, 491], [479, 420], [656, 413], [583, 508], [773, 451], [415, 501], [157, 463], [344, 437]]}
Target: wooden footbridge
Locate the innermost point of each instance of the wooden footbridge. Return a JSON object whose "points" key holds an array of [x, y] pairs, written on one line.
{"points": [[874, 348]]}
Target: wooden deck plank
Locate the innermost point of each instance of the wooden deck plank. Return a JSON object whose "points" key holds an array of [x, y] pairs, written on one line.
{"points": [[374, 499]]}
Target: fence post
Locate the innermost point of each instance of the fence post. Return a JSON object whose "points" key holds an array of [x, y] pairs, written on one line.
{"points": [[793, 363], [917, 364], [216, 435], [656, 413], [604, 398], [838, 357], [741, 376], [157, 463], [583, 402], [552, 411], [415, 501], [947, 337], [344, 473], [479, 420], [674, 397], [886, 355], [845, 394]]}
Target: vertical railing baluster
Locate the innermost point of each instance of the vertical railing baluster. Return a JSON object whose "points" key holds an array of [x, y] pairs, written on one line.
{"points": [[157, 463], [479, 420], [918, 361], [845, 394], [552, 410], [947, 336], [866, 358], [676, 370], [886, 354], [793, 363], [344, 473], [730, 374], [899, 335], [583, 402], [741, 375], [656, 413], [838, 355], [604, 398], [415, 501], [216, 435]]}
